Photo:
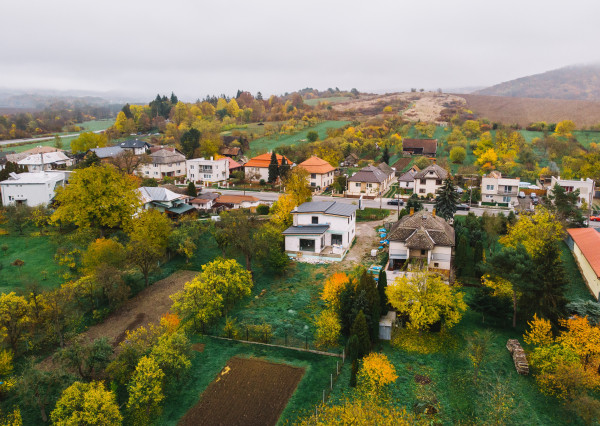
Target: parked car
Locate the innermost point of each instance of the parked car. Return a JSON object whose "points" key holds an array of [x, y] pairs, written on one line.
{"points": [[395, 202], [521, 194], [535, 201], [595, 218], [463, 207]]}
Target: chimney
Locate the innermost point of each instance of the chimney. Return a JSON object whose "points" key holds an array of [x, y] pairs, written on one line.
{"points": [[412, 211], [433, 212]]}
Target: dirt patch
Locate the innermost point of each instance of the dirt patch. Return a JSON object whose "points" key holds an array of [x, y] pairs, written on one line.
{"points": [[246, 392], [422, 380], [198, 347]]}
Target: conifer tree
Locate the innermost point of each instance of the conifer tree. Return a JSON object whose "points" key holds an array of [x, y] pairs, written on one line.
{"points": [[353, 373], [284, 168], [385, 157], [361, 330], [447, 199], [191, 189], [273, 168], [381, 286]]}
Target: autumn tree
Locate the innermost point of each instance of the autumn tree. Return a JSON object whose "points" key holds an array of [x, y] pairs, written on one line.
{"points": [[229, 278], [333, 288], [328, 329], [148, 239], [446, 200], [172, 353], [99, 197], [14, 318], [88, 140], [87, 358], [128, 163], [458, 155], [146, 392], [533, 231], [426, 299], [237, 231], [87, 403], [376, 373], [564, 128]]}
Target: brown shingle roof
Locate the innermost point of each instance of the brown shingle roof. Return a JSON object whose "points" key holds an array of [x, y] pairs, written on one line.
{"points": [[411, 228], [588, 241], [236, 199], [369, 174], [385, 168], [166, 156], [424, 146], [437, 171]]}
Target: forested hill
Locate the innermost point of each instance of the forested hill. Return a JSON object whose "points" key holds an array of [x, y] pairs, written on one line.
{"points": [[574, 82]]}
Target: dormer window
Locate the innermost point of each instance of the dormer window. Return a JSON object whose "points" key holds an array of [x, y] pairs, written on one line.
{"points": [[315, 220]]}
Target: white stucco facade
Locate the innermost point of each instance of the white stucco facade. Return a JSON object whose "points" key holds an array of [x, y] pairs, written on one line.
{"points": [[496, 189], [32, 189], [586, 188], [207, 170]]}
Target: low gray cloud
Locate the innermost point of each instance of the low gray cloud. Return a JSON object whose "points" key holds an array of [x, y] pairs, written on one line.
{"points": [[200, 47]]}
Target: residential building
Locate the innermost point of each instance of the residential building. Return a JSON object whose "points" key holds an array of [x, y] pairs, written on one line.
{"points": [[496, 189], [421, 238], [351, 160], [136, 146], [257, 168], [233, 165], [429, 180], [33, 188], [164, 162], [586, 188], [107, 153], [370, 182], [390, 172], [204, 201], [16, 157], [427, 147], [321, 229], [585, 245], [407, 180], [320, 172], [231, 151], [207, 170], [237, 202], [46, 161], [164, 200]]}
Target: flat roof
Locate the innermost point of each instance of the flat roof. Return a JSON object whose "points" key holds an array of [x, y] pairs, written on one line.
{"points": [[326, 207], [33, 178]]}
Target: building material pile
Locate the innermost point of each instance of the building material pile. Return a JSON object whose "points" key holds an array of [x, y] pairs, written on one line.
{"points": [[518, 354]]}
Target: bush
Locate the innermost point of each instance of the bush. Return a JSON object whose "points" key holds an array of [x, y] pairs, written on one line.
{"points": [[312, 136], [458, 155], [262, 209], [262, 182]]}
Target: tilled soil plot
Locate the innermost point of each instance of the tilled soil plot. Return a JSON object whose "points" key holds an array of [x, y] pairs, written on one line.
{"points": [[246, 392]]}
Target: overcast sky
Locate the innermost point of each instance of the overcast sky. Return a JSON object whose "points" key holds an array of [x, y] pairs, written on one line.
{"points": [[199, 47]]}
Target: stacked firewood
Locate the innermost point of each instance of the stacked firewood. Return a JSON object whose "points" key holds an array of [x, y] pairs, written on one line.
{"points": [[518, 354]]}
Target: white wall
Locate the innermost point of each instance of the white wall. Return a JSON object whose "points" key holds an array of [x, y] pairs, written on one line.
{"points": [[429, 187], [263, 173], [586, 188], [32, 194], [320, 179], [345, 226], [588, 272], [370, 189], [158, 171], [196, 173], [440, 255]]}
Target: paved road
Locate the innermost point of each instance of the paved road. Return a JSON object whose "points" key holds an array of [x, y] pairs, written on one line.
{"points": [[45, 138], [376, 203]]}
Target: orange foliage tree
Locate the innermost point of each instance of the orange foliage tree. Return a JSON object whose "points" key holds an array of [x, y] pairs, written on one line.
{"points": [[376, 372]]}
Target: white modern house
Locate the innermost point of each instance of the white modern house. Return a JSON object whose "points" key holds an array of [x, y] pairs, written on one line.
{"points": [[496, 189], [46, 161], [586, 188], [32, 189], [429, 180], [420, 238], [136, 146], [164, 162], [321, 230], [207, 170], [320, 172]]}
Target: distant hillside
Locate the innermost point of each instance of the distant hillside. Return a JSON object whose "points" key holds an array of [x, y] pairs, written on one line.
{"points": [[574, 82], [524, 111]]}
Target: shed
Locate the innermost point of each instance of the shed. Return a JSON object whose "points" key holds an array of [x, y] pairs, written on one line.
{"points": [[385, 325]]}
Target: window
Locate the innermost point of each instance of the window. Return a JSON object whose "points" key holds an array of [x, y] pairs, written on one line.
{"points": [[336, 239], [507, 188], [489, 197], [155, 165], [489, 187], [313, 184], [506, 199], [357, 184], [315, 220], [422, 191], [435, 265], [313, 175], [147, 172], [422, 252], [307, 245], [207, 176], [438, 182], [192, 175], [191, 166], [423, 181], [155, 173], [369, 185]]}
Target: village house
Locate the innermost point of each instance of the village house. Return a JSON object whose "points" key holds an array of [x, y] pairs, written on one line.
{"points": [[496, 189], [351, 160], [585, 245], [32, 189], [429, 180], [257, 168], [234, 166], [586, 188], [369, 182], [231, 151], [16, 157], [164, 200], [420, 238], [320, 172], [427, 147], [207, 170], [107, 153], [237, 202], [407, 180], [321, 229], [164, 162], [137, 147], [204, 201], [46, 161]]}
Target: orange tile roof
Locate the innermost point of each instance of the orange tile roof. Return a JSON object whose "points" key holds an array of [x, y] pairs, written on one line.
{"points": [[588, 241], [316, 165], [264, 160], [235, 199]]}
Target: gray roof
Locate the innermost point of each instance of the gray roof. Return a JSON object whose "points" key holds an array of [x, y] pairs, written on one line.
{"points": [[327, 207], [164, 156], [306, 230], [107, 152], [422, 230], [134, 143], [385, 168], [369, 174], [437, 171], [408, 176]]}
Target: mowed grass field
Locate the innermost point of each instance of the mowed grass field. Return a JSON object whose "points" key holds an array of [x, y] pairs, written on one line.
{"points": [[206, 365], [39, 268], [264, 144]]}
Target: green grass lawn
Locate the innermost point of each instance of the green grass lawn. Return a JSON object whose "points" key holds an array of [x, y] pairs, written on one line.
{"points": [[265, 144], [95, 125], [206, 366], [576, 289], [369, 214], [38, 255], [331, 100]]}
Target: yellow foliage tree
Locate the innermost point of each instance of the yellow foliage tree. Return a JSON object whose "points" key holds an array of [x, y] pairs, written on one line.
{"points": [[376, 372], [86, 403], [233, 108], [564, 128], [221, 104], [426, 299], [533, 232], [333, 288], [488, 160], [89, 140], [145, 391], [280, 211], [14, 318], [328, 329], [296, 185]]}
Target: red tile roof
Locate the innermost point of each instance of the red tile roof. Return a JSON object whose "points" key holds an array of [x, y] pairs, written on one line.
{"points": [[316, 165], [588, 241], [264, 160]]}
